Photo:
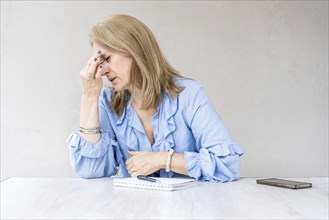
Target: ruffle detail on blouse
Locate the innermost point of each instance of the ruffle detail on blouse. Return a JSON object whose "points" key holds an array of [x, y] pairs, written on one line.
{"points": [[125, 127], [122, 117], [200, 165], [170, 108], [169, 126], [86, 149], [223, 150]]}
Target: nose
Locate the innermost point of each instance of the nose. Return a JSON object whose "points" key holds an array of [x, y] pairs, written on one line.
{"points": [[105, 69]]}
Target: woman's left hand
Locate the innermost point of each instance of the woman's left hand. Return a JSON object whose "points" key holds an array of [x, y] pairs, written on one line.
{"points": [[145, 163]]}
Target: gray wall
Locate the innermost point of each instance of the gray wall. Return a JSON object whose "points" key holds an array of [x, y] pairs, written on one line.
{"points": [[264, 65]]}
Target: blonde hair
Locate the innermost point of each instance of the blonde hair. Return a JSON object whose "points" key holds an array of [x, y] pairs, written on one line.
{"points": [[150, 72]]}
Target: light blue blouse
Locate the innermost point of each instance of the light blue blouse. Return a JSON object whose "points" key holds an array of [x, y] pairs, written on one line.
{"points": [[187, 123]]}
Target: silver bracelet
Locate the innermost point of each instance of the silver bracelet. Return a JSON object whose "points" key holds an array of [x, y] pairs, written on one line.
{"points": [[96, 130]]}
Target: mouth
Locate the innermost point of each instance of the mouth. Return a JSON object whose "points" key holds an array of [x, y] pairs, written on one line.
{"points": [[112, 79]]}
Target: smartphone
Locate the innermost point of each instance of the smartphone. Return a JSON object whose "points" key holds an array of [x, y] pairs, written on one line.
{"points": [[284, 183]]}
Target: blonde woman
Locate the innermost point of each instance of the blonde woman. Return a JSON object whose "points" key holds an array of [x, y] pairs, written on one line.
{"points": [[153, 121]]}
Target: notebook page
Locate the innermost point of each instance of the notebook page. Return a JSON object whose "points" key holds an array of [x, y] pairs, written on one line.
{"points": [[165, 184]]}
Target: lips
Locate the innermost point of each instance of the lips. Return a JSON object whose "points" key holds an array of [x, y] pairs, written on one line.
{"points": [[112, 79]]}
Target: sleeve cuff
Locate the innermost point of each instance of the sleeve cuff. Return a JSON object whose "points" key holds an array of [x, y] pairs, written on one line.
{"points": [[224, 150], [86, 149], [210, 163], [193, 167]]}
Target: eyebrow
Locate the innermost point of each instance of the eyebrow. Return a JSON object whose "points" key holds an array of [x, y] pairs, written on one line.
{"points": [[104, 55]]}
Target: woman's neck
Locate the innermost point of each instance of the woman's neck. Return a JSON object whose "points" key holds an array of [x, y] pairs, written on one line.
{"points": [[136, 100]]}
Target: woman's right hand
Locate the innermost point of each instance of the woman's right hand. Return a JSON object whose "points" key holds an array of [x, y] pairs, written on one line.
{"points": [[91, 76], [92, 83]]}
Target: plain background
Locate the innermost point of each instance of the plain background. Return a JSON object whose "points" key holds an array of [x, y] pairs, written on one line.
{"points": [[264, 65]]}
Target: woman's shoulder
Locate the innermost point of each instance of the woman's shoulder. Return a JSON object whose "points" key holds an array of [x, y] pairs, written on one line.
{"points": [[187, 83], [192, 93]]}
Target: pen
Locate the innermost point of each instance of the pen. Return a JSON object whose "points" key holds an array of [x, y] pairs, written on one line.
{"points": [[146, 178]]}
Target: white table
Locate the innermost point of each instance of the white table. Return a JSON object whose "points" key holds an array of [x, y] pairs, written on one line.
{"points": [[67, 198]]}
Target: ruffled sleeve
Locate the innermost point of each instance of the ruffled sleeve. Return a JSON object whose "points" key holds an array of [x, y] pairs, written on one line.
{"points": [[222, 167], [94, 160], [217, 156]]}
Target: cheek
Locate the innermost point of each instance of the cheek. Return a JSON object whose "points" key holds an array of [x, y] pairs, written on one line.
{"points": [[121, 66], [125, 72], [128, 69]]}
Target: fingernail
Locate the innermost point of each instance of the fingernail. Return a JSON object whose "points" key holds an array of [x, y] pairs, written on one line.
{"points": [[99, 52], [95, 59]]}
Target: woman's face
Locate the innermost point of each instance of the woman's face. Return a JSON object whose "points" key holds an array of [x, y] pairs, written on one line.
{"points": [[116, 68]]}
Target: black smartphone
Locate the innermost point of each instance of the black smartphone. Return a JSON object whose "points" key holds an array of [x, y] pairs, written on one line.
{"points": [[284, 183]]}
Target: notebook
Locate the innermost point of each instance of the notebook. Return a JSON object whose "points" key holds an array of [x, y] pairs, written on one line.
{"points": [[167, 184]]}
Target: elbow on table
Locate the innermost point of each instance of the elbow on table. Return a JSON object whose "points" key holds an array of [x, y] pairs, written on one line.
{"points": [[87, 175], [230, 172], [227, 170], [225, 177], [91, 173], [234, 176], [230, 169]]}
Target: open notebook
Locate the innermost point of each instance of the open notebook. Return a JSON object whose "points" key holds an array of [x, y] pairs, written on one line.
{"points": [[168, 184]]}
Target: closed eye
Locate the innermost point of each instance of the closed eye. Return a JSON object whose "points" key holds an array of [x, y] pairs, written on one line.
{"points": [[108, 59]]}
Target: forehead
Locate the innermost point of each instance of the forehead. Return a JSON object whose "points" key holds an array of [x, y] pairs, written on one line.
{"points": [[97, 47]]}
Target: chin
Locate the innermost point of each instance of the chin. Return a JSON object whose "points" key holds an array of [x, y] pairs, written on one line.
{"points": [[118, 88], [121, 87]]}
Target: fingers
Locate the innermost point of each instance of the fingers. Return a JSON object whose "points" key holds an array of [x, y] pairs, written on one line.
{"points": [[94, 69], [132, 152], [99, 72], [134, 174], [84, 71], [132, 170], [129, 164]]}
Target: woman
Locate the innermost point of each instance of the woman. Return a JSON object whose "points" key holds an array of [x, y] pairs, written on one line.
{"points": [[152, 121]]}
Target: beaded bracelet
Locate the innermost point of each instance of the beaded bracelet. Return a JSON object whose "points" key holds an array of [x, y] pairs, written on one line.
{"points": [[168, 164], [96, 130]]}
